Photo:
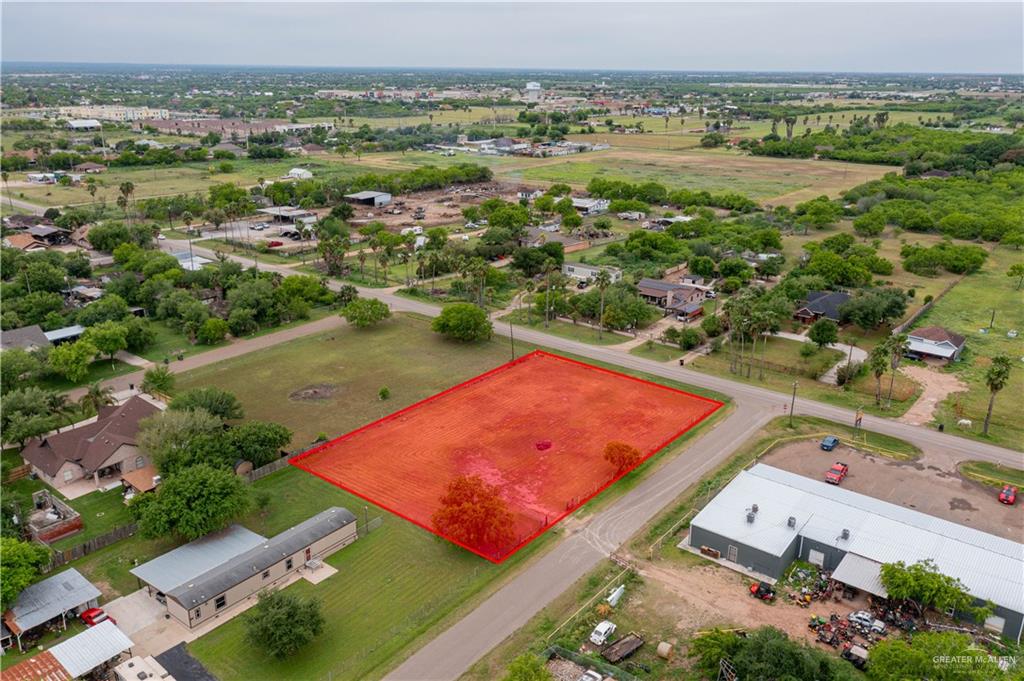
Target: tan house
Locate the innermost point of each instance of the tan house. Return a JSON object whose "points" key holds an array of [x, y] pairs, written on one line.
{"points": [[103, 450], [199, 581]]}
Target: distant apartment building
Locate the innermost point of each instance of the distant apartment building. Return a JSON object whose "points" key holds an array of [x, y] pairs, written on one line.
{"points": [[114, 112], [534, 92]]}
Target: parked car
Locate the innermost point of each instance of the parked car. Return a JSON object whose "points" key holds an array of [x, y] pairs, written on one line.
{"points": [[1008, 495], [602, 632], [867, 620], [260, 226], [274, 244], [855, 655], [710, 295], [581, 284], [830, 443], [836, 474], [590, 675], [94, 616]]}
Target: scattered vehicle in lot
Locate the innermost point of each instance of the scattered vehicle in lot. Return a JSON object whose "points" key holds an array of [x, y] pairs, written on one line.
{"points": [[274, 244], [623, 648], [1008, 495], [602, 632], [836, 474], [582, 284], [710, 295], [866, 620], [830, 443], [161, 237], [260, 226], [590, 675], [94, 616], [763, 591], [856, 655]]}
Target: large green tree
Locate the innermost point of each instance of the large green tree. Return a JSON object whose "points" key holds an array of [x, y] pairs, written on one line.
{"points": [[170, 437], [283, 622], [898, 659], [823, 332], [108, 337], [72, 360], [220, 403], [20, 562], [364, 312], [192, 502], [464, 322]]}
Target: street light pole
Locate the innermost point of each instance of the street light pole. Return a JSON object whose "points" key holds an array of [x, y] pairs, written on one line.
{"points": [[512, 338], [792, 405]]}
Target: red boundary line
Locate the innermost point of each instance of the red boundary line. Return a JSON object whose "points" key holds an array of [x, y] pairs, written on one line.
{"points": [[295, 461]]}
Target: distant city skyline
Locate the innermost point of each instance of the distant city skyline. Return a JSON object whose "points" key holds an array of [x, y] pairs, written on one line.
{"points": [[920, 37]]}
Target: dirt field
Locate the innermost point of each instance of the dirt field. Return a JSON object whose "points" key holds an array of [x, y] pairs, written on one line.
{"points": [[930, 484], [536, 428], [937, 387], [441, 207]]}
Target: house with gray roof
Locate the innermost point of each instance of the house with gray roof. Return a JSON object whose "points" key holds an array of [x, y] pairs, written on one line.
{"points": [[200, 581], [27, 338], [821, 305], [767, 517]]}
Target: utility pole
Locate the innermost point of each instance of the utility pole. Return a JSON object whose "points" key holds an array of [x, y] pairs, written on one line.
{"points": [[512, 338], [792, 404]]}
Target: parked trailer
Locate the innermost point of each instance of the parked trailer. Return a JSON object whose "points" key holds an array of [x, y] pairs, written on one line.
{"points": [[623, 648]]}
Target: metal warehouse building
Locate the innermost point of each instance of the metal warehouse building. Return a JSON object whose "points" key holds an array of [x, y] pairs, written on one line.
{"points": [[766, 518]]}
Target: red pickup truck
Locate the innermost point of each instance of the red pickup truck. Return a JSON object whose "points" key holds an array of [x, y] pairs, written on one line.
{"points": [[836, 474]]}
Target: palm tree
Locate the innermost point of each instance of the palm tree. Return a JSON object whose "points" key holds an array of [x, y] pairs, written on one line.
{"points": [[159, 379], [996, 378], [897, 345], [602, 280], [4, 175], [96, 396], [549, 267], [530, 286], [57, 404], [361, 257], [878, 363], [127, 189]]}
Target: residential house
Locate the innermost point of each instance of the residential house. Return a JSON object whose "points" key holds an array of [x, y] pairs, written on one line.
{"points": [[821, 305], [65, 594], [591, 206], [89, 168], [103, 449], [51, 236], [936, 342], [84, 124], [197, 582], [238, 151], [582, 272], [668, 295], [27, 338], [24, 242], [299, 174], [685, 311]]}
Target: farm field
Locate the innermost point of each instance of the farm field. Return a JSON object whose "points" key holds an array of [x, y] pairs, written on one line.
{"points": [[547, 455], [182, 179], [779, 181], [966, 310], [441, 118]]}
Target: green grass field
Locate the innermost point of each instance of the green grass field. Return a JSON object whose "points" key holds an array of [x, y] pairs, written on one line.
{"points": [[100, 370], [993, 474], [557, 327], [967, 309], [659, 352]]}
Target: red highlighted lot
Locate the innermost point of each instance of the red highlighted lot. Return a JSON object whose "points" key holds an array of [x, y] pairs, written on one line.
{"points": [[494, 462]]}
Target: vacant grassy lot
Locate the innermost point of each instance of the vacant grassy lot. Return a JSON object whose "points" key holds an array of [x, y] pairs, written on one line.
{"points": [[779, 181], [557, 327], [476, 114], [396, 584], [967, 310]]}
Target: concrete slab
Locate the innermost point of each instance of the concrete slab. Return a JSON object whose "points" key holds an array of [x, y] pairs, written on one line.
{"points": [[320, 574]]}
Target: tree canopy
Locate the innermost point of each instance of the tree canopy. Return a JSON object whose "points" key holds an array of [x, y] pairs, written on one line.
{"points": [[283, 622], [192, 502]]}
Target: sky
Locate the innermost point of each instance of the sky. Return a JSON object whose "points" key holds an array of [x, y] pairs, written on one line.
{"points": [[923, 37]]}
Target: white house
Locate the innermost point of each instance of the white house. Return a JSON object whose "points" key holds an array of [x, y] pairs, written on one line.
{"points": [[577, 270], [935, 341], [299, 174]]}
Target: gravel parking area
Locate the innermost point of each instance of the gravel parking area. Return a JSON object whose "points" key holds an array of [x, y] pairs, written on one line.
{"points": [[930, 484]]}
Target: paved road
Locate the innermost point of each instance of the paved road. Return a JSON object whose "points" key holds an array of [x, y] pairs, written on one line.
{"points": [[31, 208], [453, 651]]}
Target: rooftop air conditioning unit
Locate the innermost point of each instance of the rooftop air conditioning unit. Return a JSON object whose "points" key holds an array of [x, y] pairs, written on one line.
{"points": [[753, 508], [750, 517], [791, 522], [845, 534]]}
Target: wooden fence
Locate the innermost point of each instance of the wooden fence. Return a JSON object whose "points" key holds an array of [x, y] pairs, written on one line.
{"points": [[65, 556], [17, 472], [900, 328]]}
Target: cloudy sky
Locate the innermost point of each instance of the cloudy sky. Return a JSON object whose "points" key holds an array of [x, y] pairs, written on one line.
{"points": [[823, 36]]}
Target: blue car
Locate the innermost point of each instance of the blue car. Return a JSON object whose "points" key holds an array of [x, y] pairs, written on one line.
{"points": [[829, 443]]}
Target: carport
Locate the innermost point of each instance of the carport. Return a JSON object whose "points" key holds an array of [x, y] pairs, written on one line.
{"points": [[860, 573]]}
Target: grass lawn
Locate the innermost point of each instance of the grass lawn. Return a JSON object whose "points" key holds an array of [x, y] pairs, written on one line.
{"points": [[100, 370], [785, 352], [170, 343], [966, 310], [659, 352], [101, 512], [557, 327], [993, 474], [272, 257]]}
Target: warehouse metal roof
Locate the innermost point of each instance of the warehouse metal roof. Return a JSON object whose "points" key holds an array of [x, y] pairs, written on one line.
{"points": [[861, 573], [45, 600], [239, 568], [364, 195], [185, 563], [990, 567], [82, 653]]}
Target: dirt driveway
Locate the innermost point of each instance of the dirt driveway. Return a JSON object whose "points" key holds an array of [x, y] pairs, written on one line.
{"points": [[931, 484], [937, 387]]}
